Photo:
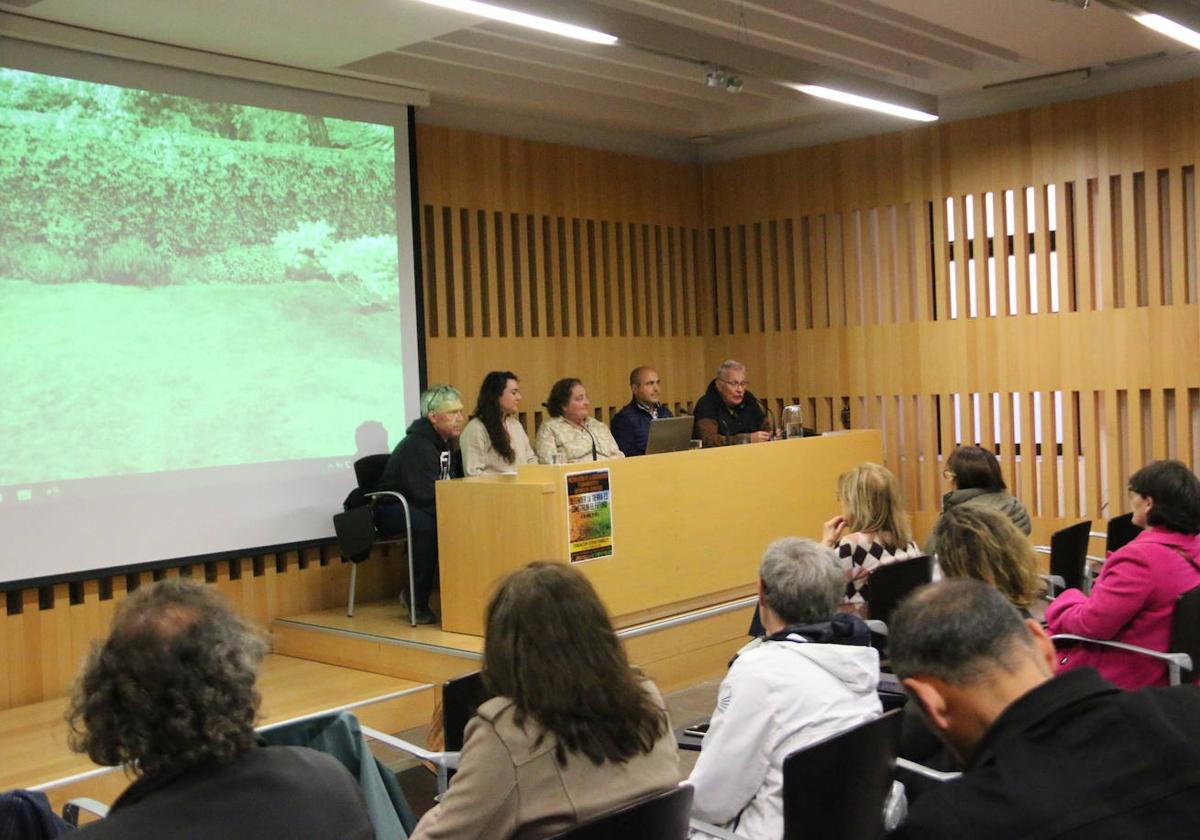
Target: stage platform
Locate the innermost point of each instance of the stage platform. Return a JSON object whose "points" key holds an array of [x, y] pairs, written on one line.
{"points": [[676, 652]]}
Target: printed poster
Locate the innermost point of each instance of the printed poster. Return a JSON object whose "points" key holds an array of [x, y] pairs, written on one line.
{"points": [[589, 516]]}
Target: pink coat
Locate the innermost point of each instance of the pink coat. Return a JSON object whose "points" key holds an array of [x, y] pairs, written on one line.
{"points": [[1132, 601]]}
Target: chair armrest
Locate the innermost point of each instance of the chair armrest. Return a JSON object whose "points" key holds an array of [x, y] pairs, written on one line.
{"points": [[71, 809], [1042, 549], [876, 626], [714, 831], [1176, 662], [927, 772], [443, 761], [395, 494], [1054, 585]]}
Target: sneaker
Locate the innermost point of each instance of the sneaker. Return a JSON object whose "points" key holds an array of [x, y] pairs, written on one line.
{"points": [[424, 615]]}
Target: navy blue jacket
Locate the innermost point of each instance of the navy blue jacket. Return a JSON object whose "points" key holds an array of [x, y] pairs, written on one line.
{"points": [[630, 427]]}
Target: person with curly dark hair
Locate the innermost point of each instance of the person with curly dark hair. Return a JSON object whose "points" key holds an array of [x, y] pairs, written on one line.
{"points": [[573, 730], [494, 441], [170, 697], [572, 435]]}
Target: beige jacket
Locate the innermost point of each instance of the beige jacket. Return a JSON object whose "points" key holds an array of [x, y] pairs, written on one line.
{"points": [[508, 786], [573, 444], [479, 458]]}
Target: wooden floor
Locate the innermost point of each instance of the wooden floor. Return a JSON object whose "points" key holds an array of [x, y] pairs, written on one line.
{"points": [[34, 737], [386, 620]]}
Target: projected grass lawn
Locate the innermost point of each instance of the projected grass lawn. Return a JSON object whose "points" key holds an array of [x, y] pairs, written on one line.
{"points": [[242, 394]]}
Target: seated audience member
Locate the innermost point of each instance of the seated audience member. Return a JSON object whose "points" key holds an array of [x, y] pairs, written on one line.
{"points": [[974, 474], [631, 425], [572, 731], [975, 541], [978, 541], [170, 697], [1133, 600], [813, 676], [1066, 757], [872, 530], [494, 441], [572, 435], [417, 462], [728, 409]]}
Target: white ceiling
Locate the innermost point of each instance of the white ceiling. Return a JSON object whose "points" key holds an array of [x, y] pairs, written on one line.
{"points": [[646, 93]]}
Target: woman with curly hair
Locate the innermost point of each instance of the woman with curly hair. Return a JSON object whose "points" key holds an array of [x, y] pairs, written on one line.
{"points": [[572, 435], [978, 541], [494, 441], [573, 730], [170, 697]]}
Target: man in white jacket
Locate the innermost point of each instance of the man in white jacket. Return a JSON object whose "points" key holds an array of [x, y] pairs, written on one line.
{"points": [[811, 677]]}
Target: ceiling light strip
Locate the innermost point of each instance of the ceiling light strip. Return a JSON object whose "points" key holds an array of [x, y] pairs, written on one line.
{"points": [[1170, 28], [865, 102], [555, 27]]}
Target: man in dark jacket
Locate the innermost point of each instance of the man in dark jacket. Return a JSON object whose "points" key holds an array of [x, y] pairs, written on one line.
{"points": [[631, 425], [418, 461], [170, 697], [1049, 757], [728, 409]]}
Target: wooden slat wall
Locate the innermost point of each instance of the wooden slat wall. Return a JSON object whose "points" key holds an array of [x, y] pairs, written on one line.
{"points": [[555, 261], [1081, 317]]}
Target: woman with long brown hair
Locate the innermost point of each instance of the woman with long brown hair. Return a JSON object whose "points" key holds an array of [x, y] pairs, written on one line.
{"points": [[573, 730], [978, 541], [494, 441]]}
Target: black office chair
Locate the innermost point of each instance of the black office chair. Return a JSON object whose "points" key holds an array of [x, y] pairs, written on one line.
{"points": [[1068, 558], [890, 583], [1121, 531], [661, 817], [1182, 657], [461, 698], [355, 527]]}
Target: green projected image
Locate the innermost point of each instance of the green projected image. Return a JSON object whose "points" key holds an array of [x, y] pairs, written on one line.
{"points": [[187, 284]]}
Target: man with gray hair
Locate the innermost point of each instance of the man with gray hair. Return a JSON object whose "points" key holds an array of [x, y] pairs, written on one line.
{"points": [[418, 461], [1061, 757], [728, 412], [812, 676]]}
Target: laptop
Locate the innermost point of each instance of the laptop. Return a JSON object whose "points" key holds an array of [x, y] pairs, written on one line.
{"points": [[669, 434]]}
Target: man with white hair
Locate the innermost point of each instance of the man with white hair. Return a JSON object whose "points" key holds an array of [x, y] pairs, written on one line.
{"points": [[728, 410], [813, 675], [424, 456]]}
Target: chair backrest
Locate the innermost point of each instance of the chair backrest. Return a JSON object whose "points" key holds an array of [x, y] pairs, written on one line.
{"points": [[661, 817], [1185, 631], [1121, 530], [461, 696], [890, 582], [368, 470], [835, 789], [1068, 553]]}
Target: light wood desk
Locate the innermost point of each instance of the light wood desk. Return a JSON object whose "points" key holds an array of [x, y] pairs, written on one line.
{"points": [[689, 528]]}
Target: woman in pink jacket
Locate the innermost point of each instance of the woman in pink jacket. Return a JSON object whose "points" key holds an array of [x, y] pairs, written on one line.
{"points": [[1133, 601]]}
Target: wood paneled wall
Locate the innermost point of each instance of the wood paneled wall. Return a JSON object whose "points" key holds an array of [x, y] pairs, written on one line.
{"points": [[1027, 282]]}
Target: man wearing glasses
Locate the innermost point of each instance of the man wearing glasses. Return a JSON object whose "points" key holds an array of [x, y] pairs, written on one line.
{"points": [[728, 412]]}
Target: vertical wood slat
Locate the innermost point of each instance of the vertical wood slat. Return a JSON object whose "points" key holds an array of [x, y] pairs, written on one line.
{"points": [[1042, 247], [962, 306], [1154, 237], [1021, 252], [1002, 250], [1064, 255], [818, 263], [851, 270], [834, 262], [1049, 459], [1129, 238], [1085, 270], [1104, 236], [941, 261], [464, 267], [1177, 275], [1070, 457]]}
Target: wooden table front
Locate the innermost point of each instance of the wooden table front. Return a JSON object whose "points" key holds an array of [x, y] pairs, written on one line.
{"points": [[689, 528]]}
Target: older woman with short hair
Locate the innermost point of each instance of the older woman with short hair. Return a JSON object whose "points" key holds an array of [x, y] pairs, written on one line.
{"points": [[573, 730], [572, 435], [1133, 600], [974, 476]]}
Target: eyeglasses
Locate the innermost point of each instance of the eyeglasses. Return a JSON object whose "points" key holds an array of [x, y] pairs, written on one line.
{"points": [[737, 385], [946, 474]]}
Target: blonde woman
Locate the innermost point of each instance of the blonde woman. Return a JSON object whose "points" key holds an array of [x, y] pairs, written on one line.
{"points": [[978, 540], [872, 530]]}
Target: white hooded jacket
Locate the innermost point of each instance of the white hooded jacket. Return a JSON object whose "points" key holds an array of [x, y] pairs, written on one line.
{"points": [[778, 697]]}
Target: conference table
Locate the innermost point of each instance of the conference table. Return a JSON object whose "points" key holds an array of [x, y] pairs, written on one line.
{"points": [[657, 535]]}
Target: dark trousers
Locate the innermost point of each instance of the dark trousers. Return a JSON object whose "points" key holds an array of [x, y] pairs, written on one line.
{"points": [[389, 519]]}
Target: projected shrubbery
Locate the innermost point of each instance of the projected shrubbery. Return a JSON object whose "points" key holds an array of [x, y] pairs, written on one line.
{"points": [[233, 268]]}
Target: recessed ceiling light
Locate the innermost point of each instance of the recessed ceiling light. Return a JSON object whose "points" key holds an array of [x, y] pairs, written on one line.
{"points": [[865, 102], [1170, 28], [556, 27]]}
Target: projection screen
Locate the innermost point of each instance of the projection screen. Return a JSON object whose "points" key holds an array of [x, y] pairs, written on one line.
{"points": [[207, 309]]}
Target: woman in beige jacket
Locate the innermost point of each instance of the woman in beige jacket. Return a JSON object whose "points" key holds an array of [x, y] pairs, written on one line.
{"points": [[494, 441], [572, 435], [575, 733]]}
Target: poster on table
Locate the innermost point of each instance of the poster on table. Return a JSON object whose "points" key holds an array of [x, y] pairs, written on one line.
{"points": [[589, 516]]}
